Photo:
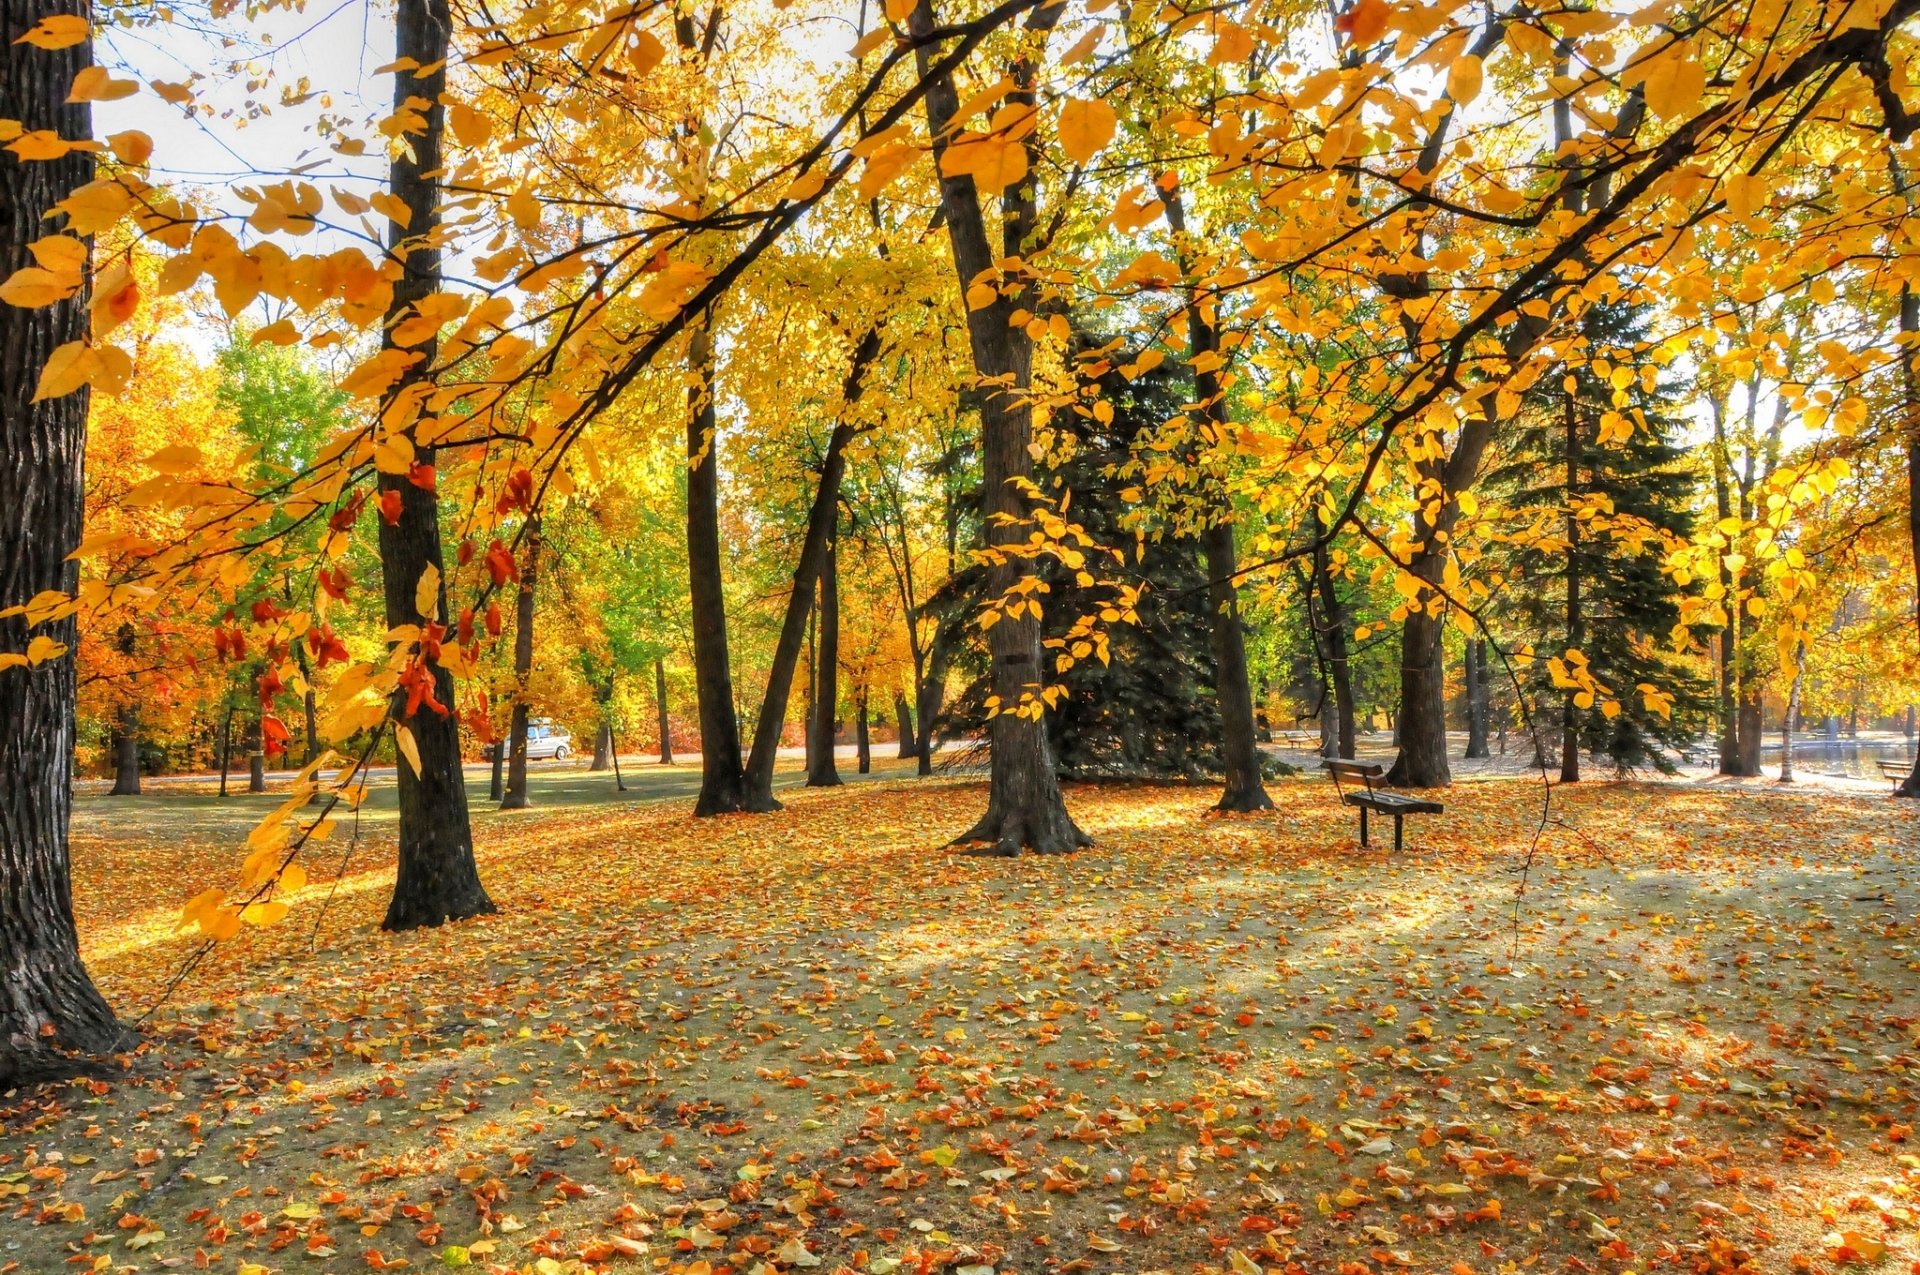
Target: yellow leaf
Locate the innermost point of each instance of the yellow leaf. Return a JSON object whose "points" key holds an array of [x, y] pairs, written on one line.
{"points": [[426, 593], [131, 147], [901, 10], [96, 84], [178, 94], [61, 31], [1674, 84], [40, 144], [31, 288], [67, 369], [1086, 126], [264, 913], [408, 747], [884, 165], [44, 648], [1464, 79]]}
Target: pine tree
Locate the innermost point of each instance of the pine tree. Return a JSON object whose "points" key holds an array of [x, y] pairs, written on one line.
{"points": [[1151, 709], [1599, 483]]}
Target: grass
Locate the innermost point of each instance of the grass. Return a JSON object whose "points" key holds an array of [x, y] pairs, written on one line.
{"points": [[817, 1037]]}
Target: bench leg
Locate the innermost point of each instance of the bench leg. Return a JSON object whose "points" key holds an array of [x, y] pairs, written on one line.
{"points": [[1363, 827], [1396, 833]]}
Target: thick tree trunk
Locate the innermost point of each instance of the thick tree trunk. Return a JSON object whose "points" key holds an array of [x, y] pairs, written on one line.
{"points": [[124, 739], [602, 747], [438, 880], [1479, 684], [1333, 624], [822, 771], [517, 797], [1575, 619], [723, 780], [53, 1021], [903, 723], [660, 705], [1751, 735], [1420, 730], [862, 741], [1025, 807]]}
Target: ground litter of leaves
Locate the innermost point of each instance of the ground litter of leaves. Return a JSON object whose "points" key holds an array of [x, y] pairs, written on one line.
{"points": [[817, 1040]]}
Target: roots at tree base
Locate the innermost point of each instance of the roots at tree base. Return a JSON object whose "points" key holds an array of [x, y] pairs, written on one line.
{"points": [[1044, 828]]}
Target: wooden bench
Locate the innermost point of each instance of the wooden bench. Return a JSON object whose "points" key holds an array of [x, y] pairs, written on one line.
{"points": [[1896, 771], [1367, 797]]}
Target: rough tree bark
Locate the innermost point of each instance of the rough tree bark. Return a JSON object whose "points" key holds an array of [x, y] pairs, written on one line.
{"points": [[517, 797], [1910, 401], [813, 553], [1025, 807], [822, 772], [862, 740], [602, 747], [53, 1021], [723, 780], [438, 880], [256, 754]]}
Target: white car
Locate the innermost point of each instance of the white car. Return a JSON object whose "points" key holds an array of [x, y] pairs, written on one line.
{"points": [[544, 739]]}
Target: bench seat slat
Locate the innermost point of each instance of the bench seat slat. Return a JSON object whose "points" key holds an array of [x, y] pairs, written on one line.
{"points": [[1390, 803]]}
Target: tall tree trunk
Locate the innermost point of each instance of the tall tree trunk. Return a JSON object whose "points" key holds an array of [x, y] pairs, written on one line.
{"points": [[602, 747], [1575, 620], [723, 779], [1750, 729], [256, 755], [438, 880], [1479, 684], [903, 721], [1239, 749], [1787, 722], [517, 797], [226, 749], [1025, 807], [1910, 402], [814, 549], [52, 1018], [124, 738], [660, 705], [822, 771], [1333, 620], [862, 741], [497, 755], [933, 692]]}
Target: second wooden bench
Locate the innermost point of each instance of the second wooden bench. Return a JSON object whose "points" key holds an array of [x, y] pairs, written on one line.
{"points": [[1367, 797]]}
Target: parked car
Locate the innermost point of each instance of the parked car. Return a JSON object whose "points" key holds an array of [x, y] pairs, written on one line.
{"points": [[544, 740]]}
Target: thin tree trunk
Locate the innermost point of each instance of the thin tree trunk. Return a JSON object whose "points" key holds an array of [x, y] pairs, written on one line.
{"points": [[1239, 749], [1479, 688], [660, 704], [1025, 807], [723, 779], [53, 1021], [811, 700], [863, 743], [806, 572], [822, 771], [497, 755], [1575, 620], [256, 756], [903, 720], [226, 749], [1333, 619], [933, 692], [1793, 710], [517, 797], [438, 880], [1910, 396]]}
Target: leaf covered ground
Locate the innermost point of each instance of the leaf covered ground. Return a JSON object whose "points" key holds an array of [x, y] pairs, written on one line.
{"points": [[815, 1040]]}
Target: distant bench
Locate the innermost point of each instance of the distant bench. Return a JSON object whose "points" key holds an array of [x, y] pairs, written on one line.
{"points": [[1367, 797], [1897, 771]]}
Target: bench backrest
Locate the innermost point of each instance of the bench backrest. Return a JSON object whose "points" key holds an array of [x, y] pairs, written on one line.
{"points": [[1365, 772]]}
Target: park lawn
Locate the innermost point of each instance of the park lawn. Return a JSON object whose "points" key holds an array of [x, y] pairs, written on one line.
{"points": [[817, 1039]]}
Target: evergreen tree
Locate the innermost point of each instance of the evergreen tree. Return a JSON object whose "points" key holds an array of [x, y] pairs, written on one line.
{"points": [[1600, 484], [1151, 709]]}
